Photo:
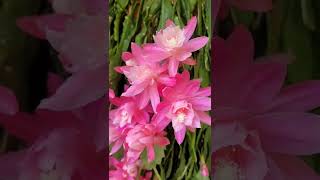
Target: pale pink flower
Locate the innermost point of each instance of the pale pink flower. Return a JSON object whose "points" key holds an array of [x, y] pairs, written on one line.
{"points": [[142, 137], [144, 75], [177, 44], [184, 105]]}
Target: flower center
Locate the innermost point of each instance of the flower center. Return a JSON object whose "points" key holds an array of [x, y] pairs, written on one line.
{"points": [[140, 73], [172, 37], [181, 115]]}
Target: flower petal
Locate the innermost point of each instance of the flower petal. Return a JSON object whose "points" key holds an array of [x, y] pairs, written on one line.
{"points": [[179, 135], [196, 43], [190, 27]]}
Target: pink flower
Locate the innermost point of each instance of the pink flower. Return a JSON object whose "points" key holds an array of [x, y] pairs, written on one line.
{"points": [[176, 42], [237, 153], [127, 112], [250, 94], [144, 75], [62, 154], [184, 105], [78, 34], [124, 169], [145, 136], [62, 144]]}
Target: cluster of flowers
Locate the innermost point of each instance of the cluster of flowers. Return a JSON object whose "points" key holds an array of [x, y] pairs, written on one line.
{"points": [[260, 127], [157, 96], [66, 135]]}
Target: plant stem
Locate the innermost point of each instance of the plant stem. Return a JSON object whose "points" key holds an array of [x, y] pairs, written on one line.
{"points": [[157, 173]]}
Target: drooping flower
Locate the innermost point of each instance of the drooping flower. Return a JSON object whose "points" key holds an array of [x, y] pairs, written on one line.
{"points": [[184, 105], [145, 136], [176, 42], [250, 93], [144, 75]]}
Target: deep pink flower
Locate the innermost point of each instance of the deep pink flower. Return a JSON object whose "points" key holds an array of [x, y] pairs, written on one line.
{"points": [[184, 105], [144, 75], [145, 136], [250, 94], [176, 43]]}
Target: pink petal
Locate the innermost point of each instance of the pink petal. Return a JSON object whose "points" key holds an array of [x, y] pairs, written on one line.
{"points": [[143, 99], [135, 89], [154, 96], [161, 141], [204, 92], [231, 58], [190, 27], [204, 117], [166, 80], [54, 82], [294, 168], [169, 22], [298, 97], [78, 90], [38, 25], [201, 103], [151, 153], [126, 56], [288, 132], [116, 146], [173, 67], [190, 62], [264, 82], [180, 135], [196, 44], [146, 140]]}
